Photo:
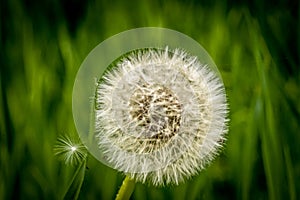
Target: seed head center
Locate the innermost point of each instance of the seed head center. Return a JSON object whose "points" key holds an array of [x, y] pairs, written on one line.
{"points": [[73, 148], [157, 110]]}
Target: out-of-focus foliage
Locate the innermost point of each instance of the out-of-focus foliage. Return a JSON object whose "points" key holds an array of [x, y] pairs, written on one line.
{"points": [[255, 45]]}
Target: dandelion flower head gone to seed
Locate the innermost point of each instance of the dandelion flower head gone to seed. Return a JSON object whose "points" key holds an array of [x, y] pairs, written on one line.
{"points": [[160, 115]]}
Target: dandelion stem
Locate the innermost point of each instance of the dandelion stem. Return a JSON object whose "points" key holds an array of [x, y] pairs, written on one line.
{"points": [[126, 189]]}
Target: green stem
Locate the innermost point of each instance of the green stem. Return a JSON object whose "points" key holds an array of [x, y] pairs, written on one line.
{"points": [[126, 189], [77, 180]]}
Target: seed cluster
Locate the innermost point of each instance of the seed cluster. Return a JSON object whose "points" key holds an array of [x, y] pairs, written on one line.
{"points": [[157, 110], [160, 116]]}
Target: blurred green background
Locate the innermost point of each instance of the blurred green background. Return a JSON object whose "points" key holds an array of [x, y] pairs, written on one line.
{"points": [[255, 45]]}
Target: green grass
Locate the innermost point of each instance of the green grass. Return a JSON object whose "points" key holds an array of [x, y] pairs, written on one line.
{"points": [[39, 60]]}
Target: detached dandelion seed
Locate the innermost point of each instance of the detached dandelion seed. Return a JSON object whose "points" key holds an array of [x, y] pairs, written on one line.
{"points": [[73, 148], [160, 115], [70, 150]]}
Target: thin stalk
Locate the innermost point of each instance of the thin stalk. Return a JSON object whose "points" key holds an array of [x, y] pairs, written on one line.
{"points": [[126, 189]]}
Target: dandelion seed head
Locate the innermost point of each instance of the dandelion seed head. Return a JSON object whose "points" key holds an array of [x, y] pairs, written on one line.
{"points": [[160, 115]]}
